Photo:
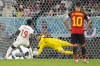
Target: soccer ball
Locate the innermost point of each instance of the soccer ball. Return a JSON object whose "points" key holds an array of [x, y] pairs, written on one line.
{"points": [[35, 52]]}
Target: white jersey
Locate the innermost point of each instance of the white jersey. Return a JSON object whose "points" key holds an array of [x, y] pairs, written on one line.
{"points": [[25, 32]]}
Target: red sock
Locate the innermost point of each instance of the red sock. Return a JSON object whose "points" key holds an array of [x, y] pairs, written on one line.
{"points": [[84, 56], [76, 57]]}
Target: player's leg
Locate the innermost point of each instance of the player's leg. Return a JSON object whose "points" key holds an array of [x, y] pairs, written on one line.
{"points": [[60, 42], [61, 50], [65, 43], [15, 54], [83, 47], [74, 41], [23, 55], [26, 44], [24, 51], [84, 53], [30, 51], [11, 48]]}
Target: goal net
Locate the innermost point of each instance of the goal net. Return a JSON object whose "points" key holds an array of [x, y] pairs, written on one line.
{"points": [[50, 14]]}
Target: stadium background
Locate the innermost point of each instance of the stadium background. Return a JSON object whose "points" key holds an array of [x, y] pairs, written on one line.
{"points": [[53, 13]]}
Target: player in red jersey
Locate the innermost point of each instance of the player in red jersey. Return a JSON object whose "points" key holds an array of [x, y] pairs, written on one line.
{"points": [[77, 30]]}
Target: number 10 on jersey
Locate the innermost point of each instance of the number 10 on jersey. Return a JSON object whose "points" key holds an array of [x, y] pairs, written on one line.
{"points": [[77, 21]]}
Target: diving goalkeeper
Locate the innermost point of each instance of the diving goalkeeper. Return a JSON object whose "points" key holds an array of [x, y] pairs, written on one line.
{"points": [[53, 43]]}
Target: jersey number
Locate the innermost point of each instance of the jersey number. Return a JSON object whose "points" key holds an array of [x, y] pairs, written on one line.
{"points": [[77, 21], [24, 33]]}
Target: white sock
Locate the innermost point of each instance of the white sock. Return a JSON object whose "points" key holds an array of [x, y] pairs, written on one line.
{"points": [[84, 59], [30, 51], [8, 52]]}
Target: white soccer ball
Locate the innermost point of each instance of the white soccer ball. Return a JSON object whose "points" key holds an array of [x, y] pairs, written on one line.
{"points": [[35, 53]]}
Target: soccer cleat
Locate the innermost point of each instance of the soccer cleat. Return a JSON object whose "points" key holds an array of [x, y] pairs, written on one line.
{"points": [[75, 60], [85, 61]]}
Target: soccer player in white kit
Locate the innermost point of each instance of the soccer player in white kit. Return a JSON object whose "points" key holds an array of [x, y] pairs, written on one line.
{"points": [[24, 38], [20, 53]]}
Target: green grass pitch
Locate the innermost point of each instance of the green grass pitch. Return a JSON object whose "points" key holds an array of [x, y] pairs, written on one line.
{"points": [[48, 62]]}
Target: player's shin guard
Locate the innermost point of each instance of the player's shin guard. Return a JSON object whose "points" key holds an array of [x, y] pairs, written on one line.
{"points": [[83, 52], [75, 53]]}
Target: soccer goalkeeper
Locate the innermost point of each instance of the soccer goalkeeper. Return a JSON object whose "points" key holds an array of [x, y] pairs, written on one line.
{"points": [[53, 43]]}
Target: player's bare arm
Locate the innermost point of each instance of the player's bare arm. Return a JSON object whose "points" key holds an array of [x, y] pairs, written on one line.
{"points": [[66, 24], [88, 25], [17, 32], [30, 39]]}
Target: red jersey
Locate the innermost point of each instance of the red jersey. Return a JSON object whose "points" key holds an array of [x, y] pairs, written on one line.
{"points": [[77, 21]]}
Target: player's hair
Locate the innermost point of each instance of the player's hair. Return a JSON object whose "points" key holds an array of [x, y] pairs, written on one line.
{"points": [[78, 4], [29, 21], [44, 22]]}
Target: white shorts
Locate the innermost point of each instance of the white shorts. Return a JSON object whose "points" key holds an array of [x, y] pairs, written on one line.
{"points": [[22, 42]]}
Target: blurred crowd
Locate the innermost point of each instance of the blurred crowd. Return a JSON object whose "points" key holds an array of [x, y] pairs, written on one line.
{"points": [[28, 8]]}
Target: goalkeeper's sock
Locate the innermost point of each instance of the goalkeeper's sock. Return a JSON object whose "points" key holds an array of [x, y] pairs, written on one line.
{"points": [[8, 52], [68, 52]]}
